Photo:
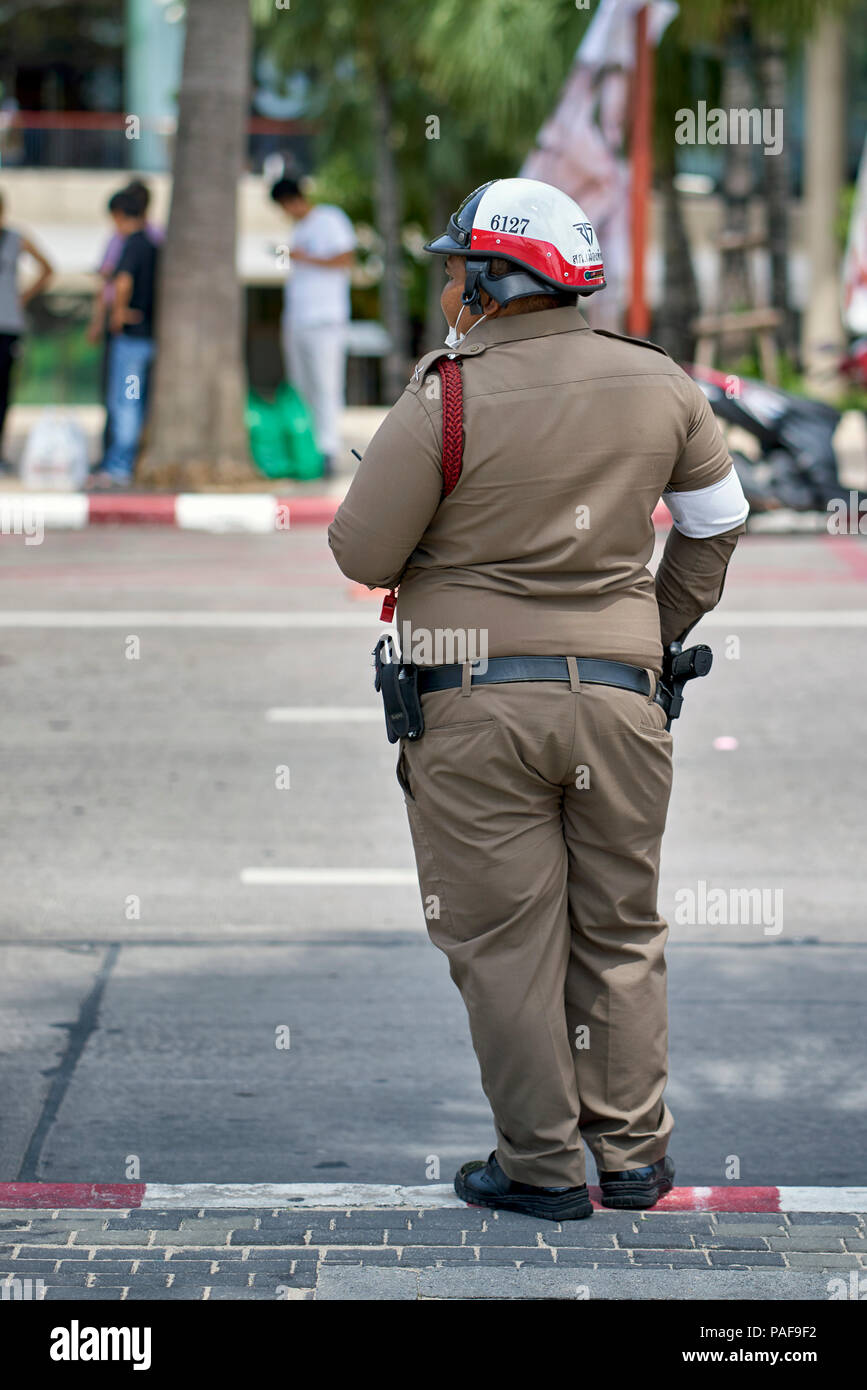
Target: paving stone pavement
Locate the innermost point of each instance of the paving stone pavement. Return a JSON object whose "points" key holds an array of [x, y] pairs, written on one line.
{"points": [[463, 1253]]}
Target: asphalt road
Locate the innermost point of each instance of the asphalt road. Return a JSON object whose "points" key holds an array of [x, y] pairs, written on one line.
{"points": [[148, 967]]}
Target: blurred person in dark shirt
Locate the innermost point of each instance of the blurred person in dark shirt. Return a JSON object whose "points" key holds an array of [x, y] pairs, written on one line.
{"points": [[131, 340], [98, 329]]}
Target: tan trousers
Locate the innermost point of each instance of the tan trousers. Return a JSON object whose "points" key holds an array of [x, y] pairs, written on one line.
{"points": [[536, 812]]}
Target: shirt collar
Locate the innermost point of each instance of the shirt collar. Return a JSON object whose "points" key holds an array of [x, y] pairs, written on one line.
{"points": [[515, 327]]}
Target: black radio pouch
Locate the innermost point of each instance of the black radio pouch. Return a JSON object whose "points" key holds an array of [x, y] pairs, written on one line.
{"points": [[397, 682]]}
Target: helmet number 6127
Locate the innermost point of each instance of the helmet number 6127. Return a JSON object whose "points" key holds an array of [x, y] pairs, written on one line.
{"points": [[500, 222]]}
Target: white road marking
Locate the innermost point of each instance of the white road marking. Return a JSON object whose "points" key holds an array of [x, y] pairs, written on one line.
{"points": [[367, 617], [326, 714], [199, 618], [213, 512], [303, 1194], [53, 509], [823, 1198], [786, 617], [272, 878], [355, 1196]]}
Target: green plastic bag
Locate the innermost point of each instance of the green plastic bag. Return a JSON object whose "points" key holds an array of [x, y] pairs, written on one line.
{"points": [[298, 429], [281, 435], [267, 441]]}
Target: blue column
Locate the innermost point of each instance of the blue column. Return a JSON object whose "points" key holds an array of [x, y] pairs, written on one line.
{"points": [[152, 75]]}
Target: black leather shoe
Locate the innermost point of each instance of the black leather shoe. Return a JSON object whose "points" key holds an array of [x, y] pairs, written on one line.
{"points": [[486, 1185], [637, 1188]]}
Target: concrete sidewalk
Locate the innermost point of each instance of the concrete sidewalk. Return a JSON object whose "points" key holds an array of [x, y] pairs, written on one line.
{"points": [[358, 425], [456, 1253]]}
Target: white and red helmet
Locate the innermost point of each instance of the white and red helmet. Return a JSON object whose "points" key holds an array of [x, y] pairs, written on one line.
{"points": [[537, 228]]}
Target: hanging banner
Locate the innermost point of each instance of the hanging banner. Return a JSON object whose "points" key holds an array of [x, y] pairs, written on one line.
{"points": [[854, 289], [584, 146]]}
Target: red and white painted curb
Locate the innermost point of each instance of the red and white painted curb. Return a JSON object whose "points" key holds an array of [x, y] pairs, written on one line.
{"points": [[360, 1196], [191, 511]]}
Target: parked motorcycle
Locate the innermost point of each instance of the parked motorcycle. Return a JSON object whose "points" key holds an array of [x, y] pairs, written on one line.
{"points": [[797, 465]]}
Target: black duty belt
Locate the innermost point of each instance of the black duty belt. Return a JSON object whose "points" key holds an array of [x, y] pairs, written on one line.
{"points": [[402, 684], [500, 669]]}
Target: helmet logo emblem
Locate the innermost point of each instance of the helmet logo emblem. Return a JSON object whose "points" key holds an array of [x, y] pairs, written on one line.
{"points": [[586, 231]]}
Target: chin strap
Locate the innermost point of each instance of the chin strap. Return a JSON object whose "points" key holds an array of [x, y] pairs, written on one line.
{"points": [[475, 269]]}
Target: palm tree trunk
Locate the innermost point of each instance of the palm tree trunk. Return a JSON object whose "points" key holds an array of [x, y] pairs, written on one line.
{"points": [[680, 298], [434, 322], [388, 205], [197, 434], [822, 335], [772, 81], [737, 93]]}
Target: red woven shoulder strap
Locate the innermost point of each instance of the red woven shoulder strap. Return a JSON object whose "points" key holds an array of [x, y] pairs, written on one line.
{"points": [[453, 446], [453, 421]]}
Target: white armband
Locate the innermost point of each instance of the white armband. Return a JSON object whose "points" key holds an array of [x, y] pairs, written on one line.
{"points": [[708, 511]]}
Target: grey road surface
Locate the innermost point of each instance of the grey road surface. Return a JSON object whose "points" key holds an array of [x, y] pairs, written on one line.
{"points": [[160, 754]]}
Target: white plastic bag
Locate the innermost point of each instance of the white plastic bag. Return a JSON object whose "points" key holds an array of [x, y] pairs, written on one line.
{"points": [[55, 455]]}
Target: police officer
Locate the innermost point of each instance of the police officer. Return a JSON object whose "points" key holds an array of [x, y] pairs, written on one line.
{"points": [[537, 793]]}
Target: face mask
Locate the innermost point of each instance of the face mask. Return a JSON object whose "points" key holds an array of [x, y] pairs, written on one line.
{"points": [[453, 338]]}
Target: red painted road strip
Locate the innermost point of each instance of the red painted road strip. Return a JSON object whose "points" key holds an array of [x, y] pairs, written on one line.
{"points": [[72, 1194], [159, 509], [132, 508], [714, 1199], [310, 511]]}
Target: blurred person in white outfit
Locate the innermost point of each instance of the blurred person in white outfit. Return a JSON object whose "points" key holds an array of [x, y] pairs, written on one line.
{"points": [[316, 309]]}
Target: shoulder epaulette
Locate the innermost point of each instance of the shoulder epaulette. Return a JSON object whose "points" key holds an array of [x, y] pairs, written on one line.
{"points": [[424, 364], [624, 338]]}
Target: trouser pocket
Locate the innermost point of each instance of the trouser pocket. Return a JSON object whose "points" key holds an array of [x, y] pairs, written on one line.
{"points": [[401, 772]]}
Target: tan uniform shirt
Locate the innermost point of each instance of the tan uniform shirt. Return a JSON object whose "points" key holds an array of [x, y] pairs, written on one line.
{"points": [[570, 437]]}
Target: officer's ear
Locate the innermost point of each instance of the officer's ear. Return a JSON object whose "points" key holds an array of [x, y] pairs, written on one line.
{"points": [[489, 305]]}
